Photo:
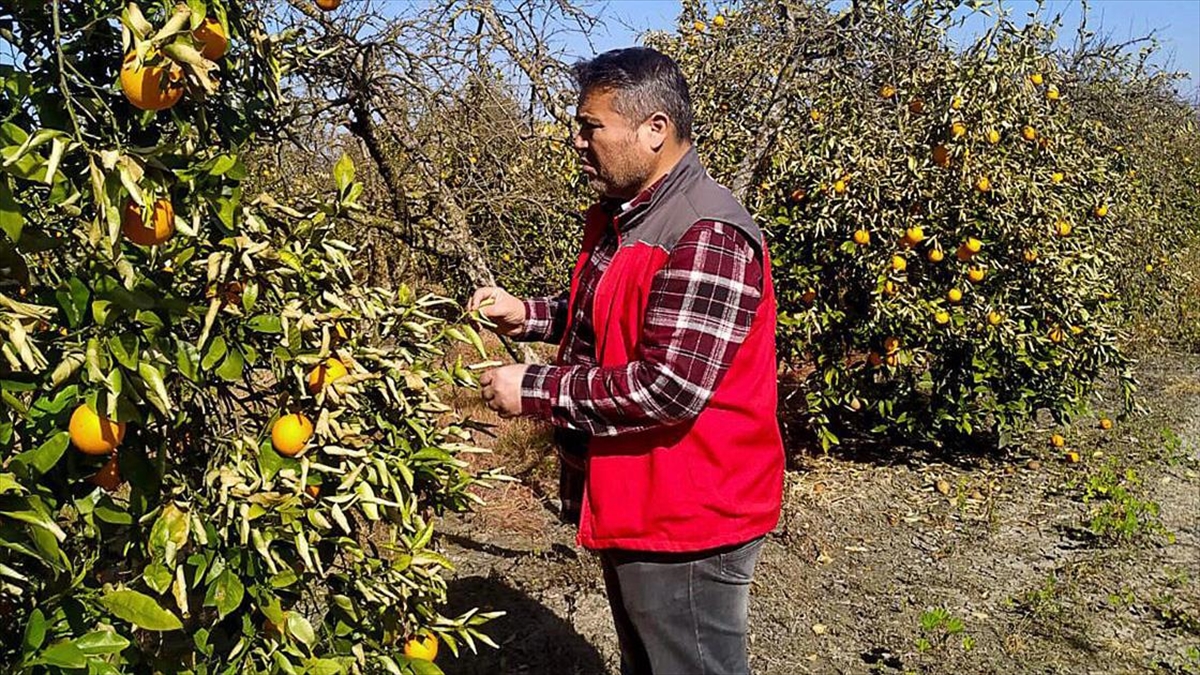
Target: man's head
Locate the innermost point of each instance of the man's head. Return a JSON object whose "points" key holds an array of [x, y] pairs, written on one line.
{"points": [[634, 116]]}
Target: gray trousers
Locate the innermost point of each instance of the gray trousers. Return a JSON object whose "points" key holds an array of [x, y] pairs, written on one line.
{"points": [[682, 613]]}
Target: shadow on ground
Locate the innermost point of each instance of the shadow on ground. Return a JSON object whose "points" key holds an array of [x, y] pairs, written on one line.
{"points": [[533, 640]]}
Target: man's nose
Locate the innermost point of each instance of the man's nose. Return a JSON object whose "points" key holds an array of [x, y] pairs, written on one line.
{"points": [[578, 141]]}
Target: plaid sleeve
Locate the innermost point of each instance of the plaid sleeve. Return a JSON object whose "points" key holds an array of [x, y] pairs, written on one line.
{"points": [[545, 319], [701, 305]]}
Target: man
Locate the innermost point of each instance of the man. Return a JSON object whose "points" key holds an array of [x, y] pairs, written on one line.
{"points": [[664, 387]]}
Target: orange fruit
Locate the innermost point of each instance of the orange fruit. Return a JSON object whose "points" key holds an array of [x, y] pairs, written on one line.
{"points": [[956, 103], [1071, 456], [954, 296], [109, 475], [328, 5], [898, 263], [839, 186], [92, 434], [914, 235], [809, 296], [1100, 211], [1056, 334], [862, 237], [798, 195], [1106, 423], [1057, 177], [719, 21], [891, 344], [942, 317], [814, 115], [1062, 228], [1030, 255], [313, 491], [993, 136], [325, 374], [1058, 441], [151, 87], [133, 226], [916, 106], [994, 318], [699, 26], [421, 647], [210, 35], [892, 360], [1052, 93], [1036, 78], [935, 255], [1028, 133], [941, 156], [972, 246], [983, 184], [290, 434], [958, 130], [889, 288], [976, 274], [887, 91], [1149, 268]]}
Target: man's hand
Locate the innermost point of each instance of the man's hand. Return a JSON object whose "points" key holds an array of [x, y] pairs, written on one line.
{"points": [[501, 389], [500, 307]]}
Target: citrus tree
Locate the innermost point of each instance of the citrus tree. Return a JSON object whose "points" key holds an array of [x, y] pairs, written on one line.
{"points": [[219, 453], [949, 230]]}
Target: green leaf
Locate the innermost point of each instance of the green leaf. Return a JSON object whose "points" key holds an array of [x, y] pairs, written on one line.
{"points": [[343, 172], [231, 367], [108, 512], [423, 667], [9, 484], [101, 311], [301, 629], [250, 296], [224, 163], [265, 323], [43, 458], [285, 578], [141, 610], [216, 350], [157, 577], [323, 667], [227, 593], [187, 359], [35, 632], [74, 301], [156, 389], [64, 655], [102, 642], [12, 221], [124, 349]]}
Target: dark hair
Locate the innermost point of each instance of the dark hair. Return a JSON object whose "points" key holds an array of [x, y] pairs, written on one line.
{"points": [[645, 81]]}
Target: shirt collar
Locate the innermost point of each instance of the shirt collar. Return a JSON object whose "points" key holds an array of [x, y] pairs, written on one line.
{"points": [[624, 211]]}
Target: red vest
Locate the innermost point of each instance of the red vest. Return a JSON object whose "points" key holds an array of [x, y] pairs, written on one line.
{"points": [[718, 479]]}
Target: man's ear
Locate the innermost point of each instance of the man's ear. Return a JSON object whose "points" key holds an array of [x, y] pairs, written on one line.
{"points": [[658, 128]]}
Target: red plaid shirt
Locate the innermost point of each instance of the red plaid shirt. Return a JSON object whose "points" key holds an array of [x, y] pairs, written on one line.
{"points": [[701, 305]]}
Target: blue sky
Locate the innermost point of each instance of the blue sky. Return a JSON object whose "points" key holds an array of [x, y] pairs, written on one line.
{"points": [[1177, 23]]}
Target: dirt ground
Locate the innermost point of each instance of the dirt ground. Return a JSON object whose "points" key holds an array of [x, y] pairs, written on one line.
{"points": [[899, 562]]}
